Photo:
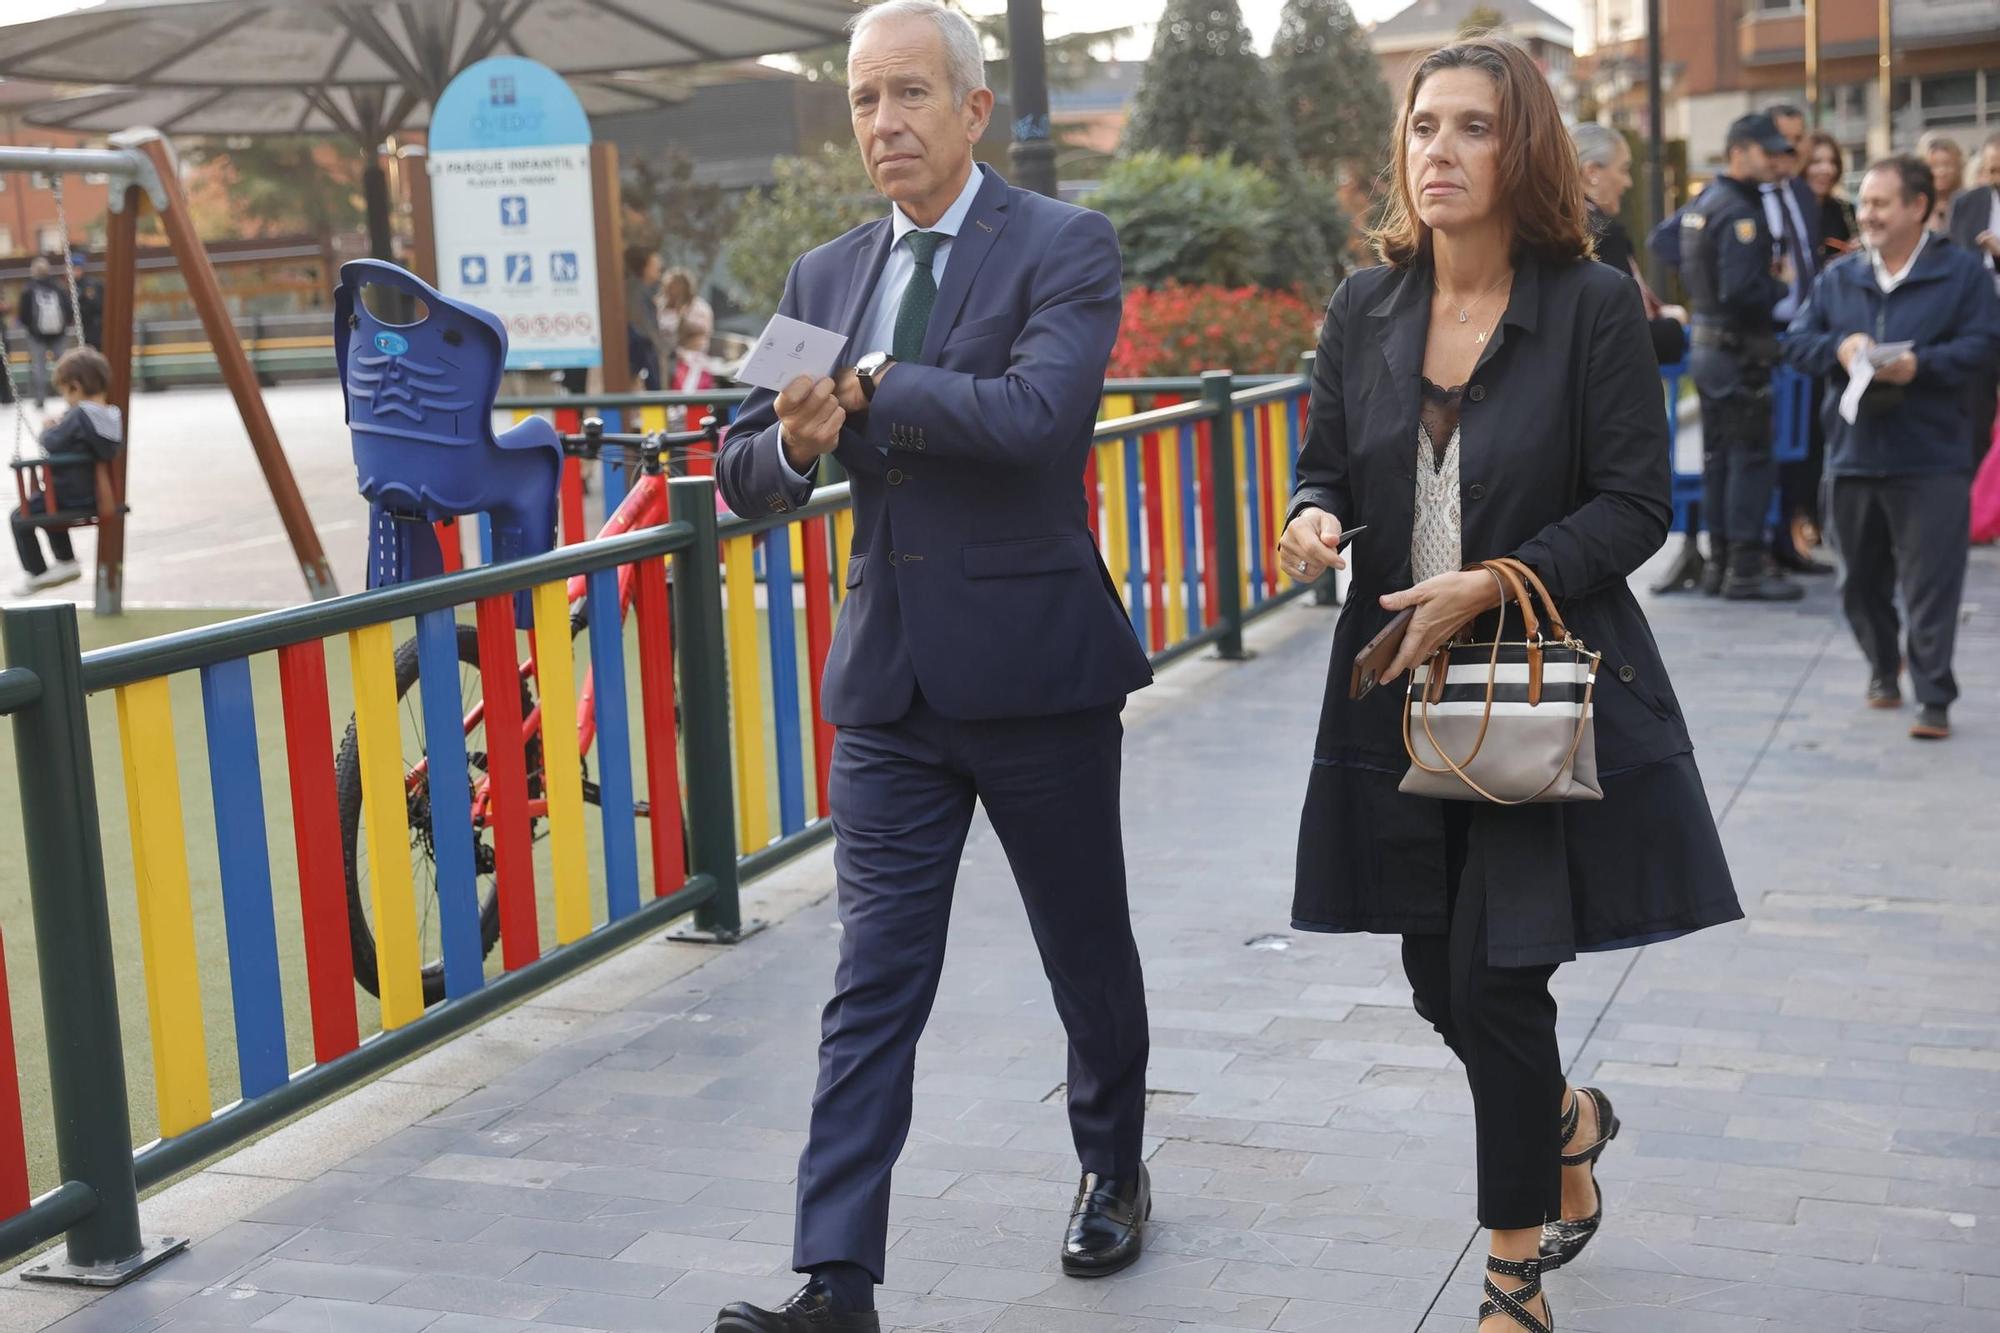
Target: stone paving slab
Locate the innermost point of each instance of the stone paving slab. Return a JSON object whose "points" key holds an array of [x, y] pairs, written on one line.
{"points": [[1811, 1098]]}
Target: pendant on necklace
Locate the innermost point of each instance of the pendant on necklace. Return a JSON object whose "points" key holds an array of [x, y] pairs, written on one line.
{"points": [[1464, 318], [1480, 339]]}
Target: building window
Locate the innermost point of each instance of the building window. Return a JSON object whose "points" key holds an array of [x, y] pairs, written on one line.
{"points": [[1951, 99], [1773, 8], [38, 180], [48, 240], [6, 241]]}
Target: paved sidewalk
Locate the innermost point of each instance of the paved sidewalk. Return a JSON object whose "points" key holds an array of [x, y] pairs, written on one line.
{"points": [[1811, 1098]]}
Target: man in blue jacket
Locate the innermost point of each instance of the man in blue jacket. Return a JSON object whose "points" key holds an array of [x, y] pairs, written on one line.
{"points": [[981, 656], [1900, 473]]}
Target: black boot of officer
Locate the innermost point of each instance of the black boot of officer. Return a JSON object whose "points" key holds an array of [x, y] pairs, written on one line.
{"points": [[1751, 577]]}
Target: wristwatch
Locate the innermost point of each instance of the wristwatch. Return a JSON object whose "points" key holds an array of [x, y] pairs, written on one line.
{"points": [[868, 367]]}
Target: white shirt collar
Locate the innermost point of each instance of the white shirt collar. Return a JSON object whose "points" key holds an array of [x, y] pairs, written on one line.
{"points": [[954, 217], [1888, 281]]}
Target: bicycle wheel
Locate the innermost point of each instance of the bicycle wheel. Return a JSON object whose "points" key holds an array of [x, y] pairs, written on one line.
{"points": [[347, 781]]}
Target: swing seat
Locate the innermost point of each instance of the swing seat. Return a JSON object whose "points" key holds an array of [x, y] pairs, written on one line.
{"points": [[49, 515], [419, 407]]}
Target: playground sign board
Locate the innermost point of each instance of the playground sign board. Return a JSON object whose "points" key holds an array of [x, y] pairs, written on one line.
{"points": [[509, 161]]}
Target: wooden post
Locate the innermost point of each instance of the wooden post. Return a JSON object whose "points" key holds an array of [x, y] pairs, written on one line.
{"points": [[120, 310], [1812, 67], [609, 209], [206, 293], [416, 163], [1885, 66]]}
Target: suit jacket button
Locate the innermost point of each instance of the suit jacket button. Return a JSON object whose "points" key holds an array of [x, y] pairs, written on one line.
{"points": [[1627, 674], [895, 476], [1477, 393], [1475, 491]]}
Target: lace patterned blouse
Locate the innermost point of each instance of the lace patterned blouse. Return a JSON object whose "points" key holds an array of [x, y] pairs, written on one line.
{"points": [[1435, 542]]}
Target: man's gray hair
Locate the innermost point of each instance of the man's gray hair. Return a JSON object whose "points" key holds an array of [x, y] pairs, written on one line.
{"points": [[964, 56], [1596, 145]]}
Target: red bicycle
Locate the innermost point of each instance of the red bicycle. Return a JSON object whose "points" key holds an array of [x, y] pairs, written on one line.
{"points": [[645, 505]]}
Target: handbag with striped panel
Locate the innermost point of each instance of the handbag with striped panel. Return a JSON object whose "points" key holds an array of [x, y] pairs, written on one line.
{"points": [[1505, 721]]}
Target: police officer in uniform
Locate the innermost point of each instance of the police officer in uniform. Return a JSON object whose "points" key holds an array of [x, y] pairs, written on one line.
{"points": [[1734, 278]]}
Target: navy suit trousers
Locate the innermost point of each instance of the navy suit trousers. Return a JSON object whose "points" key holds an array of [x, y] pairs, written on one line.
{"points": [[901, 798]]}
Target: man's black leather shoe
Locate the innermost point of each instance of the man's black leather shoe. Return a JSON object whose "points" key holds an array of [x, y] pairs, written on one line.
{"points": [[811, 1309], [1107, 1225]]}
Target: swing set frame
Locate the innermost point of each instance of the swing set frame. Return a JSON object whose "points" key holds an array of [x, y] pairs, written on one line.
{"points": [[143, 170]]}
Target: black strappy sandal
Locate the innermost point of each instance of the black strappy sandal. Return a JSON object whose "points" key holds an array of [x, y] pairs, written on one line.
{"points": [[1514, 1304], [1563, 1240]]}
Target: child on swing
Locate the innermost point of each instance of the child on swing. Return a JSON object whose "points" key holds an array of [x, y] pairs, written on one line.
{"points": [[90, 432]]}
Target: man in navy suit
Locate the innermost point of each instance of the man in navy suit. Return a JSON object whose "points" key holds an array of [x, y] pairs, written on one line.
{"points": [[982, 654]]}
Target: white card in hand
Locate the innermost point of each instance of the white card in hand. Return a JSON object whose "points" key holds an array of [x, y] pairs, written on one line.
{"points": [[787, 349], [1860, 374]]}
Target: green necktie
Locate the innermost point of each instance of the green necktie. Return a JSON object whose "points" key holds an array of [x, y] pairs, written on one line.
{"points": [[913, 316]]}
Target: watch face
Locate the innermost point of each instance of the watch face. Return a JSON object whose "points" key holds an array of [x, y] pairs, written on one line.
{"points": [[871, 363]]}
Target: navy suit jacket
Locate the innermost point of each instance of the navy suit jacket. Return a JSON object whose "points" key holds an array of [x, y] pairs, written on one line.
{"points": [[974, 575]]}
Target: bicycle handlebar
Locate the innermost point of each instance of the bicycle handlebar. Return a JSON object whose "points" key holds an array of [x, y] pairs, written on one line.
{"points": [[647, 449]]}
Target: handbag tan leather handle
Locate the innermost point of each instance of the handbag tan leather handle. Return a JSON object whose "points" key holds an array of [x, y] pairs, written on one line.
{"points": [[1506, 573], [1534, 580]]}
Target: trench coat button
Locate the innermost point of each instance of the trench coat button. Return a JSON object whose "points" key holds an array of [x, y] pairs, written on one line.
{"points": [[895, 477], [1475, 491], [1477, 393], [1627, 674]]}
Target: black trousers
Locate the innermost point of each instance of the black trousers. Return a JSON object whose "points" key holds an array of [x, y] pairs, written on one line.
{"points": [[1501, 1024], [30, 550], [1738, 471], [901, 798], [1909, 534]]}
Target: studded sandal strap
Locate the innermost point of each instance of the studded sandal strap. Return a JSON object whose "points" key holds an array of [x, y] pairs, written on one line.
{"points": [[1513, 1303], [1574, 1118]]}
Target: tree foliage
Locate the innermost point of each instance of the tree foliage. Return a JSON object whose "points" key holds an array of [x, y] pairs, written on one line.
{"points": [[689, 222], [288, 184], [1483, 19], [1194, 220], [814, 200], [1205, 90], [1330, 87]]}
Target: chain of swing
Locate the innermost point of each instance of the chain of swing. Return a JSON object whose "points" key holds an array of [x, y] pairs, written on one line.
{"points": [[21, 432]]}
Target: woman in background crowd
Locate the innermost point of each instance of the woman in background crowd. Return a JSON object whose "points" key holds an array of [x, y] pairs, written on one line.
{"points": [[1825, 165]]}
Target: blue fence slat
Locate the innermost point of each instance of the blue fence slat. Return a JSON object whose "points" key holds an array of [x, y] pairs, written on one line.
{"points": [[236, 782], [1294, 441], [450, 803], [1135, 539], [485, 539], [614, 747], [1251, 500], [789, 732], [1190, 532], [615, 476]]}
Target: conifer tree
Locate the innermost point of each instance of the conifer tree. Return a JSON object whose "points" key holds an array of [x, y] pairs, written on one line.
{"points": [[1331, 90], [1205, 91]]}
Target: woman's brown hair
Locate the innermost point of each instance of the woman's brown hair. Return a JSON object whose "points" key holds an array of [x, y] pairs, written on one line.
{"points": [[1540, 185], [1817, 140]]}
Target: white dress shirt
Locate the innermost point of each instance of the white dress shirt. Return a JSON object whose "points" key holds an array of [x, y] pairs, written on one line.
{"points": [[1888, 281], [878, 327], [1788, 226]]}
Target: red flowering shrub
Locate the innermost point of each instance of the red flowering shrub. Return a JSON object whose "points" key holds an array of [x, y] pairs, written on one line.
{"points": [[1177, 330]]}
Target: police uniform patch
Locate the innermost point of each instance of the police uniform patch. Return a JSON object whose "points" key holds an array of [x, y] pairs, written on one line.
{"points": [[1694, 220], [1746, 230]]}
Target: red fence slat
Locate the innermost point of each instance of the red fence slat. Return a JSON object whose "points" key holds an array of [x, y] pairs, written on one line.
{"points": [[316, 834], [13, 1142], [507, 778], [819, 638], [656, 694]]}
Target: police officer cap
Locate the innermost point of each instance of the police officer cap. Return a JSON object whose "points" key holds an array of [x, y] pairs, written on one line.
{"points": [[1759, 129]]}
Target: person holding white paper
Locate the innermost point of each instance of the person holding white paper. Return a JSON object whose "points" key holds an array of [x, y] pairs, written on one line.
{"points": [[982, 655], [1897, 331]]}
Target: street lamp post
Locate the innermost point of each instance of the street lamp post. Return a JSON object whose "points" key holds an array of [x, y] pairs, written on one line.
{"points": [[1886, 69], [1032, 154], [1656, 166]]}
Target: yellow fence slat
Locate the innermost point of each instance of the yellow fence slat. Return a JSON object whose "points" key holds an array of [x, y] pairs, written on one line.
{"points": [[746, 696], [843, 542], [652, 420], [385, 810], [555, 675], [166, 911], [1277, 476], [1169, 445], [1111, 484]]}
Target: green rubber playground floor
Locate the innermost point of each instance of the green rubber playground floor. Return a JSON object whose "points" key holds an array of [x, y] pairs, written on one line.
{"points": [[16, 916]]}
